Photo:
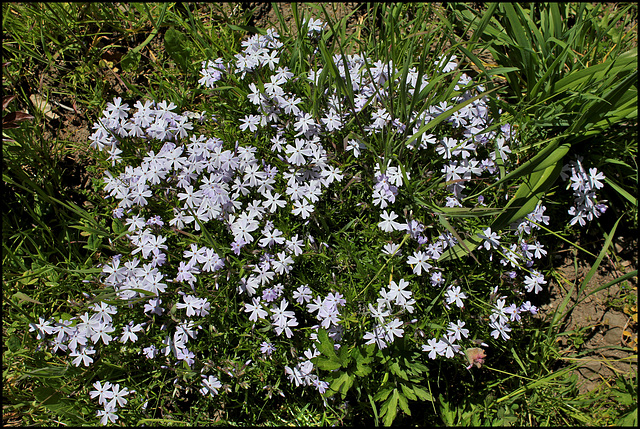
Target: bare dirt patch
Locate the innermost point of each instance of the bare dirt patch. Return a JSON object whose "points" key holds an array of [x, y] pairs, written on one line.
{"points": [[600, 328]]}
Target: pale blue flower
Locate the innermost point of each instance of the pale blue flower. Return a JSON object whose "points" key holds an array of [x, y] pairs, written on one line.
{"points": [[210, 385]]}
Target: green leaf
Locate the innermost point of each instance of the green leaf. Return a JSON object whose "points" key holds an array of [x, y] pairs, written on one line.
{"points": [[446, 413], [578, 79], [28, 280], [53, 400], [633, 200], [383, 394], [348, 382], [461, 243], [460, 250], [550, 155], [344, 357], [325, 346], [93, 242], [338, 385], [326, 364], [606, 108], [374, 408], [22, 297], [408, 392], [390, 408], [414, 367], [176, 45], [623, 398], [43, 393], [543, 172], [497, 71], [528, 195], [362, 357], [630, 419], [395, 368], [131, 60], [13, 343], [362, 369], [118, 227], [422, 394], [47, 372], [404, 404]]}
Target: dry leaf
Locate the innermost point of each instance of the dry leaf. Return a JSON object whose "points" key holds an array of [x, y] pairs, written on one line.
{"points": [[43, 106], [8, 120], [6, 100]]}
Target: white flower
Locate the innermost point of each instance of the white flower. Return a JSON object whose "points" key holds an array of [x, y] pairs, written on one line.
{"points": [[534, 282], [456, 330], [393, 329], [388, 222], [102, 392], [210, 385], [419, 260], [251, 122], [303, 208], [314, 26], [298, 152], [379, 312], [500, 329], [398, 293], [302, 294], [434, 347], [106, 415], [118, 396], [491, 239], [453, 294], [304, 123], [391, 249]]}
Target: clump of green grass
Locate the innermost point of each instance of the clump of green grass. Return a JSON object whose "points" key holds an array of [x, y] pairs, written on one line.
{"points": [[571, 80]]}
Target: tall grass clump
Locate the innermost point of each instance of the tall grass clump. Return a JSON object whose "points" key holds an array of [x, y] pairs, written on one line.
{"points": [[340, 233], [571, 81]]}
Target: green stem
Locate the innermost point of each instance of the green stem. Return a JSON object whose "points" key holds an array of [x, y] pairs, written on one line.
{"points": [[12, 304], [156, 27], [562, 238], [406, 237]]}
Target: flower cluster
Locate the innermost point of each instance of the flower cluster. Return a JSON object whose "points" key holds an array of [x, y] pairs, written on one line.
{"points": [[205, 218], [110, 396], [399, 298], [80, 335], [586, 205]]}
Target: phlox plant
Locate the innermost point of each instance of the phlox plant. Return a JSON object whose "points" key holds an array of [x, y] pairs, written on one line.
{"points": [[285, 242]]}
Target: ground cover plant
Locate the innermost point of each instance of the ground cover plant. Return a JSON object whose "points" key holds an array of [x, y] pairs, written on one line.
{"points": [[319, 228]]}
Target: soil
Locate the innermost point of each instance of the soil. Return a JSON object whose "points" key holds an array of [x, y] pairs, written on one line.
{"points": [[601, 328]]}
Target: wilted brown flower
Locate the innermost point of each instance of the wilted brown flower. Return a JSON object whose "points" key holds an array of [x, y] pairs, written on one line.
{"points": [[475, 356]]}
